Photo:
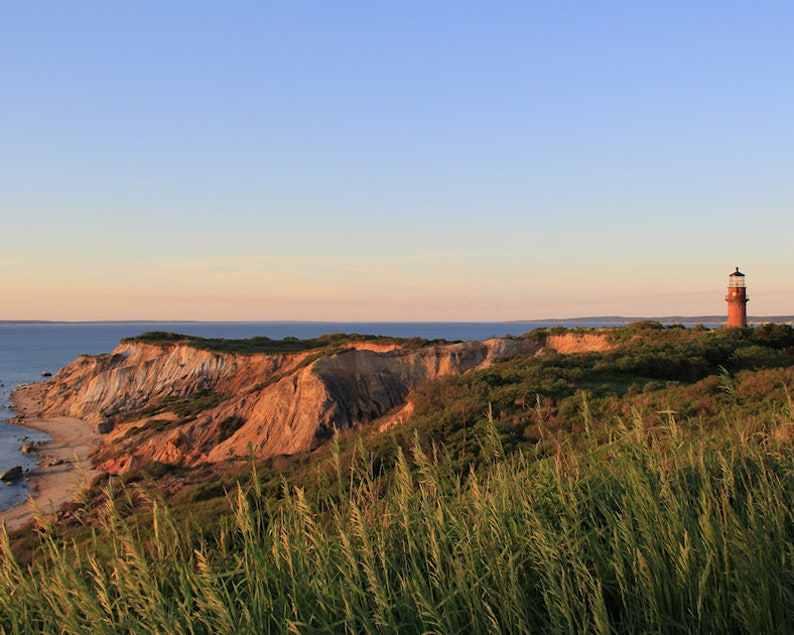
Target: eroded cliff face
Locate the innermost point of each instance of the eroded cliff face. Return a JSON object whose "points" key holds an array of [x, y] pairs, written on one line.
{"points": [[578, 342], [182, 405]]}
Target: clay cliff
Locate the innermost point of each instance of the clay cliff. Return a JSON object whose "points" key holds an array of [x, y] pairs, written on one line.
{"points": [[182, 405]]}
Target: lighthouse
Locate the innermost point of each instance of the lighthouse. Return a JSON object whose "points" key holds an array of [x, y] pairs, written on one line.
{"points": [[737, 300]]}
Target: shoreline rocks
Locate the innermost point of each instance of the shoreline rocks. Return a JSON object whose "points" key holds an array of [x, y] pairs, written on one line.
{"points": [[32, 447], [12, 474]]}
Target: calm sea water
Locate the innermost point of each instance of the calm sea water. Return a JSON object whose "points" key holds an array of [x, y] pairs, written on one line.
{"points": [[27, 350]]}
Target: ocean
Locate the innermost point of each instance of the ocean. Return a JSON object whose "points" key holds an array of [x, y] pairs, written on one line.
{"points": [[29, 349]]}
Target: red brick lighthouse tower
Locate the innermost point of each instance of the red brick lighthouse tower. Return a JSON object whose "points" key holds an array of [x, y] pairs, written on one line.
{"points": [[737, 300]]}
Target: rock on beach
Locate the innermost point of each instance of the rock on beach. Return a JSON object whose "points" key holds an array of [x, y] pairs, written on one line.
{"points": [[12, 474]]}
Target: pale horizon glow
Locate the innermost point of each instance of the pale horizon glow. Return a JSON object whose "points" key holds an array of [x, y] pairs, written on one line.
{"points": [[394, 162]]}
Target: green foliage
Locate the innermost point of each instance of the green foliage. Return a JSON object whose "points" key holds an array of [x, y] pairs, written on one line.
{"points": [[229, 426], [186, 407], [650, 369], [149, 470], [777, 336], [655, 531], [333, 342]]}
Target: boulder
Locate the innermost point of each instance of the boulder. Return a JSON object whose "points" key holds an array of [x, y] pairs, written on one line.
{"points": [[12, 474], [32, 447], [105, 427]]}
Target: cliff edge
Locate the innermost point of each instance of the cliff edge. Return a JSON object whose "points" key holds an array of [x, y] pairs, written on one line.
{"points": [[183, 405]]}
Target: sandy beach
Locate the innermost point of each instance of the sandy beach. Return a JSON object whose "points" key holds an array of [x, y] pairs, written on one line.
{"points": [[63, 467]]}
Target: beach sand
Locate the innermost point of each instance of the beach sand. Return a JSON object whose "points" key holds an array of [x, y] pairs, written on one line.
{"points": [[63, 468]]}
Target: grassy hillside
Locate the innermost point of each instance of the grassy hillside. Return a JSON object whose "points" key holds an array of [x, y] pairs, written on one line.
{"points": [[645, 488], [702, 379]]}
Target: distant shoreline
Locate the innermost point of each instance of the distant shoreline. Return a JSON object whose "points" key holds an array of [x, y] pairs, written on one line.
{"points": [[668, 319], [607, 319], [100, 322]]}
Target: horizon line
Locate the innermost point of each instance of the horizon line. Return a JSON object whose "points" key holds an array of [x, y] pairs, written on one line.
{"points": [[592, 318]]}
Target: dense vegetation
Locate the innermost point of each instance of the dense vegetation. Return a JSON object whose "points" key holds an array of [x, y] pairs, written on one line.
{"points": [[701, 378], [648, 488], [261, 344]]}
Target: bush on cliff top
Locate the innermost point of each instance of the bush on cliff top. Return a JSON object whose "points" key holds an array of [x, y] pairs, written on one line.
{"points": [[262, 344]]}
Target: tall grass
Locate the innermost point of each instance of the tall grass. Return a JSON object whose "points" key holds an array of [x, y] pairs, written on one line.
{"points": [[655, 531]]}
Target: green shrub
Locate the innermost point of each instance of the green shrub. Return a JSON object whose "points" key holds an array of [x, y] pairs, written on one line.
{"points": [[229, 426]]}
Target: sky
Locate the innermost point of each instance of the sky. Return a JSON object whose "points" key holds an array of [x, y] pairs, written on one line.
{"points": [[394, 161]]}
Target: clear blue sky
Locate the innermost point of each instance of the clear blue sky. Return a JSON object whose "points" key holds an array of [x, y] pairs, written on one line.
{"points": [[394, 161]]}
